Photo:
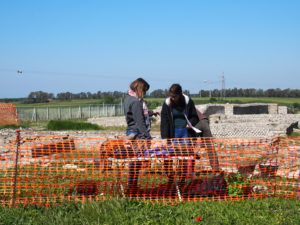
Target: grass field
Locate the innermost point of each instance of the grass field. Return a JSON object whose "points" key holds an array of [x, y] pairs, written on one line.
{"points": [[280, 101], [126, 211], [290, 102], [204, 100]]}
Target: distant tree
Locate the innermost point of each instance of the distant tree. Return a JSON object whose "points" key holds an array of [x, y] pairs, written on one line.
{"points": [[89, 95], [118, 94], [115, 96], [204, 93], [64, 96], [159, 93], [39, 96], [187, 92], [82, 95]]}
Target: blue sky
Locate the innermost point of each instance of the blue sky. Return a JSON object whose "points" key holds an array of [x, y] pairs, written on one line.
{"points": [[103, 45]]}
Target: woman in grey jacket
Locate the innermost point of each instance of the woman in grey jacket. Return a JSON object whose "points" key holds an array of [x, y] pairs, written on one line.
{"points": [[138, 124], [136, 111]]}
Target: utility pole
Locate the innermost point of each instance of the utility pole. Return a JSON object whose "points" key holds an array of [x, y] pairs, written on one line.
{"points": [[223, 86]]}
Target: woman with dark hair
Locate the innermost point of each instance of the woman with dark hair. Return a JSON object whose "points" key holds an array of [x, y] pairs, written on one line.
{"points": [[181, 119], [178, 115], [178, 118], [138, 123]]}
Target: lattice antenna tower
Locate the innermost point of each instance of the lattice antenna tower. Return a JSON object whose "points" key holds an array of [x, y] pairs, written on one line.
{"points": [[223, 91]]}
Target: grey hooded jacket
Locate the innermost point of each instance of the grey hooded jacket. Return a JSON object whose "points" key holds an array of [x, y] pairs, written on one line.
{"points": [[133, 110]]}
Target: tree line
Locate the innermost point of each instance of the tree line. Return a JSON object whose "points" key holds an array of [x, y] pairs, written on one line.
{"points": [[252, 92], [40, 96]]}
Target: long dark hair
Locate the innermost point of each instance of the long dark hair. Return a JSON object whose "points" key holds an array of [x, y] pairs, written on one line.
{"points": [[176, 91]]}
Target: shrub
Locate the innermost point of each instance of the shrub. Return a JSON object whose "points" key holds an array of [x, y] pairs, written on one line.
{"points": [[294, 134], [213, 100], [237, 183], [153, 104], [71, 125]]}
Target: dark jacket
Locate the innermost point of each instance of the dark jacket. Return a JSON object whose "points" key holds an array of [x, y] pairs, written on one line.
{"points": [[133, 110], [167, 125]]}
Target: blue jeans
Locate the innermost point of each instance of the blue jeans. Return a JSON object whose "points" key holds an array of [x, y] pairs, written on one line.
{"points": [[181, 139], [129, 131], [180, 136], [181, 133]]}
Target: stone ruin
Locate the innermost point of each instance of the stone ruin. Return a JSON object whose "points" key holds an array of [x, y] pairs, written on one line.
{"points": [[242, 109], [250, 120]]}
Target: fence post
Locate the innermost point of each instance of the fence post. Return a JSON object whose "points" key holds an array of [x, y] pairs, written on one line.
{"points": [[16, 167], [90, 115], [70, 113], [47, 113], [59, 113], [103, 109], [33, 114]]}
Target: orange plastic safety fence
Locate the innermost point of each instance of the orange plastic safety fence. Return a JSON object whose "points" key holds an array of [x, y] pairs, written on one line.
{"points": [[51, 169], [8, 114]]}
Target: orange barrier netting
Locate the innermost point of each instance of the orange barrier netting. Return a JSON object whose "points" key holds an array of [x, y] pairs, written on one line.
{"points": [[51, 169], [8, 114]]}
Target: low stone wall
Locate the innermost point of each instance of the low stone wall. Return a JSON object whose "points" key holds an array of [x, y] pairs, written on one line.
{"points": [[250, 109], [242, 109]]}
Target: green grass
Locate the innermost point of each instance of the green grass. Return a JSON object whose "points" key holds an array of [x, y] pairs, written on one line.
{"points": [[280, 101], [203, 100], [294, 134], [126, 211], [243, 99], [23, 124], [9, 126], [290, 102], [71, 125]]}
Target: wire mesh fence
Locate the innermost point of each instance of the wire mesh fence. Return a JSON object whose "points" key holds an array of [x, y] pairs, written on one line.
{"points": [[45, 113], [38, 169], [8, 114]]}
